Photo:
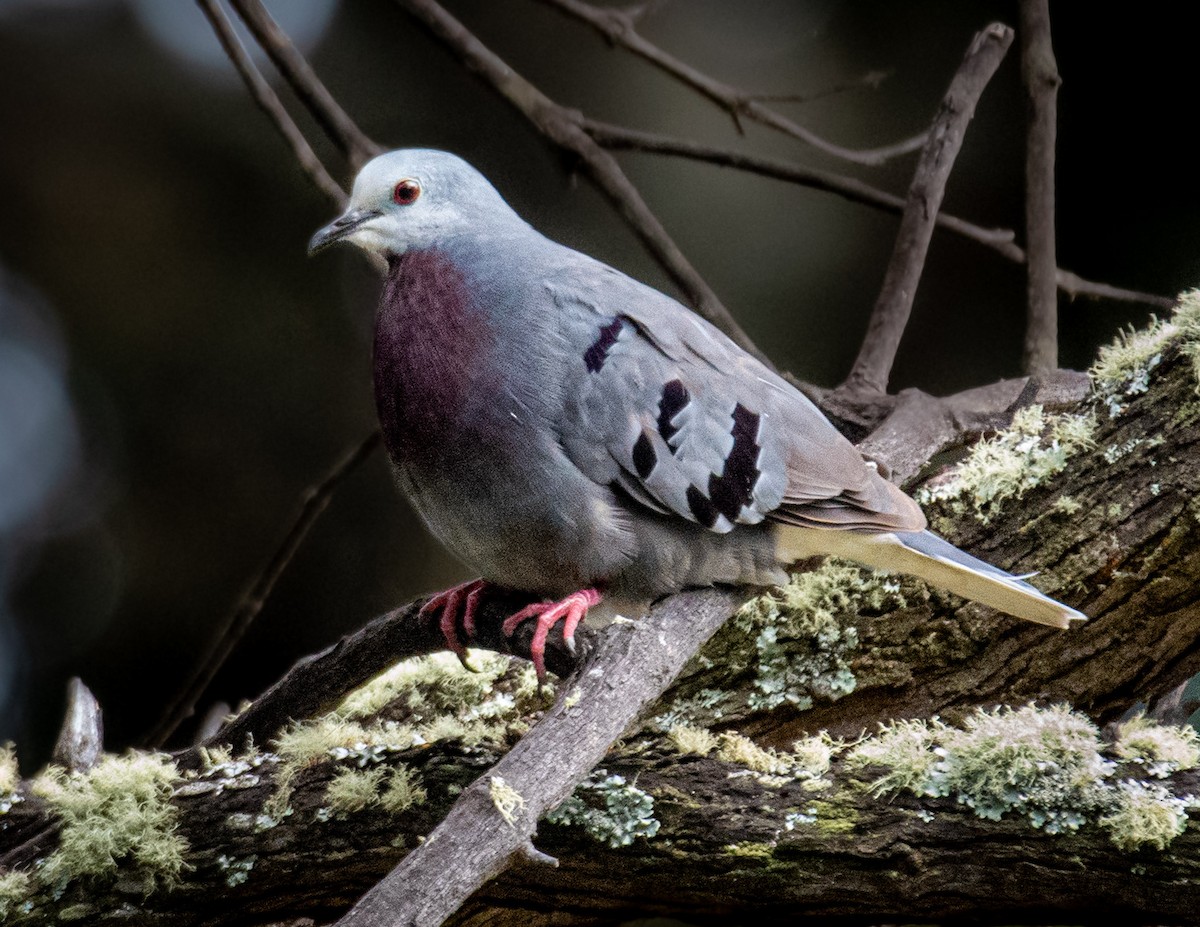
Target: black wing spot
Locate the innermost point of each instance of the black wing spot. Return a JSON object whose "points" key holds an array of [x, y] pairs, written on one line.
{"points": [[644, 457], [734, 488], [674, 399], [702, 510], [595, 356]]}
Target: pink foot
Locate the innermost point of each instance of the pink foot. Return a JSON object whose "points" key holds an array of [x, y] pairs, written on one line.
{"points": [[458, 606], [570, 611]]}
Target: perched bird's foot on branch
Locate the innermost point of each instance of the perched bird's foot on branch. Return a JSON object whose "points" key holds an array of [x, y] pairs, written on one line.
{"points": [[571, 610], [457, 606]]}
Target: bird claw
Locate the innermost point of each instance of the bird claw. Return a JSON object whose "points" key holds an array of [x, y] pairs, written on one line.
{"points": [[570, 611], [457, 607]]}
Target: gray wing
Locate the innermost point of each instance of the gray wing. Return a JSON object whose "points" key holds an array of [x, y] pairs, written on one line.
{"points": [[666, 408]]}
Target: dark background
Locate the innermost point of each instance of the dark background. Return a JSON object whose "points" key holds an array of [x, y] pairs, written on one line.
{"points": [[174, 371]]}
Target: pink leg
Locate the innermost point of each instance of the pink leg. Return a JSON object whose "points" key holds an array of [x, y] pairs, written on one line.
{"points": [[570, 611], [457, 606]]}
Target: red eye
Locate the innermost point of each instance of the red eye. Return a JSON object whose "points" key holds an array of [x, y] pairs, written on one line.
{"points": [[405, 193]]}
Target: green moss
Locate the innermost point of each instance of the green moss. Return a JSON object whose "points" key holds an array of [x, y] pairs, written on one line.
{"points": [[16, 888], [1034, 448], [1066, 505], [905, 749], [751, 849], [118, 813], [609, 809], [832, 818]]}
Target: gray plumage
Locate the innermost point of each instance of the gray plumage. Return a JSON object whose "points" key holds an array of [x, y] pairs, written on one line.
{"points": [[560, 425]]}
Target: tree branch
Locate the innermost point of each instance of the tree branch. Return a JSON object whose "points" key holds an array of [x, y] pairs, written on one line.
{"points": [[619, 138], [480, 838], [313, 501], [340, 128], [1039, 75], [890, 316], [618, 26], [269, 103]]}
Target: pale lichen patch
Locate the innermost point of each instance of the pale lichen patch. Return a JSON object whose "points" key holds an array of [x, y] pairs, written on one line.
{"points": [[117, 813], [507, 800], [1004, 467], [609, 809], [1146, 815], [1046, 764], [16, 889], [353, 790], [1161, 749], [696, 741], [10, 775]]}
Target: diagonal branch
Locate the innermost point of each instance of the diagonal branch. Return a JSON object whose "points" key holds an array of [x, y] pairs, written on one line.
{"points": [[563, 128], [313, 502], [618, 26], [1039, 74], [632, 665], [269, 103], [340, 128], [619, 138], [894, 305]]}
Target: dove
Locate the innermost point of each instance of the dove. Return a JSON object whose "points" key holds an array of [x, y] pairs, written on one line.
{"points": [[574, 434]]}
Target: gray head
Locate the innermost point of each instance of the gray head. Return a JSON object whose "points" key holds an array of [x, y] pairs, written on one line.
{"points": [[415, 198]]}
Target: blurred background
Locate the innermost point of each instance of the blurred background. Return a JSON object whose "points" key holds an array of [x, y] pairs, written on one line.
{"points": [[174, 371]]}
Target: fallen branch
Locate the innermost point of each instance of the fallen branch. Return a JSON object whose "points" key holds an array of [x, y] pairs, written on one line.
{"points": [[496, 817]]}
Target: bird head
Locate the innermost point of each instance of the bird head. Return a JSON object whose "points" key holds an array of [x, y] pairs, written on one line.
{"points": [[411, 199]]}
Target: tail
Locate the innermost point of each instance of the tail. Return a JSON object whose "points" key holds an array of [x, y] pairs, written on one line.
{"points": [[938, 562]]}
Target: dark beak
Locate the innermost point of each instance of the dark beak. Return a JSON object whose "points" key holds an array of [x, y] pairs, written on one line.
{"points": [[339, 228]]}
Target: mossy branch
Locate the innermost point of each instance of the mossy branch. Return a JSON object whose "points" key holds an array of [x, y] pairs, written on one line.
{"points": [[700, 821]]}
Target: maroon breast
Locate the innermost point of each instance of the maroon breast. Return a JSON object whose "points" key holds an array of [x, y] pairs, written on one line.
{"points": [[432, 343]]}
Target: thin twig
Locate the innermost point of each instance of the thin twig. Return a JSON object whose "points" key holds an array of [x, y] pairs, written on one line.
{"points": [[619, 138], [1039, 74], [270, 104], [618, 26], [871, 80], [340, 128], [892, 308], [495, 818], [563, 127], [313, 501]]}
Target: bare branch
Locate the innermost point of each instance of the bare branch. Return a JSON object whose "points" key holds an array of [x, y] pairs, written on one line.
{"points": [[890, 315], [632, 665], [340, 128], [270, 104], [618, 26], [872, 80], [1039, 74], [313, 501], [563, 127], [619, 138]]}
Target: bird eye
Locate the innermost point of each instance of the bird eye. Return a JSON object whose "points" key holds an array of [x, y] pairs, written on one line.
{"points": [[405, 193]]}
